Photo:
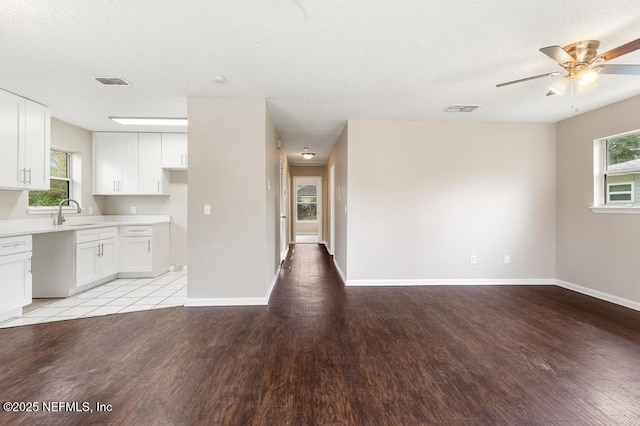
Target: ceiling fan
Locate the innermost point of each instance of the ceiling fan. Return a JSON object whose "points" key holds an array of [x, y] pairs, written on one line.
{"points": [[582, 64]]}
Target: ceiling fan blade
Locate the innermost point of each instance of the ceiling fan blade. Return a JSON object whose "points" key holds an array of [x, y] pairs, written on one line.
{"points": [[620, 69], [549, 74], [558, 54], [621, 50]]}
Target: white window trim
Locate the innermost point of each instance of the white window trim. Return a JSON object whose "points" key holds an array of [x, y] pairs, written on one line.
{"points": [[630, 192], [600, 191], [74, 187]]}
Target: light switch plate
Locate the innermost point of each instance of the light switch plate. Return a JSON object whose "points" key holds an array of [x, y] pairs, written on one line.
{"points": [[207, 210]]}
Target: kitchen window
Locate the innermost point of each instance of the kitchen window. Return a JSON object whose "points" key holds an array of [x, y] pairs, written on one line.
{"points": [[60, 182]]}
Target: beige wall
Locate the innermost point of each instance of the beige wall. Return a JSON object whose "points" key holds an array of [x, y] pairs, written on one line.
{"points": [[425, 196], [339, 158], [596, 251], [65, 136], [230, 169], [174, 205]]}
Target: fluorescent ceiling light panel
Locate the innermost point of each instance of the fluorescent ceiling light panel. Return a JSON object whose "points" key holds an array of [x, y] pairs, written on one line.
{"points": [[141, 121]]}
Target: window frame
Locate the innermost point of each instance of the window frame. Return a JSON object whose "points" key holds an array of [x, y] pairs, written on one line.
{"points": [[601, 195], [70, 185]]}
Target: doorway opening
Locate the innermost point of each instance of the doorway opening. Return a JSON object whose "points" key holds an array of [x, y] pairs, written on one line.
{"points": [[307, 211]]}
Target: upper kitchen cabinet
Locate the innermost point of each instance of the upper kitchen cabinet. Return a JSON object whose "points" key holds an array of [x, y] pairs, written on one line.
{"points": [[25, 135], [174, 151], [152, 179], [115, 163]]}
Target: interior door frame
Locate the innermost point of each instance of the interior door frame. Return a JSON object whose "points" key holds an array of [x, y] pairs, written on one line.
{"points": [[332, 209], [284, 238], [294, 208]]}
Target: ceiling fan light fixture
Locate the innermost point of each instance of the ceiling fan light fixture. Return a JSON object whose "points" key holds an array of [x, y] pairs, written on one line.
{"points": [[559, 86], [588, 77], [308, 155]]}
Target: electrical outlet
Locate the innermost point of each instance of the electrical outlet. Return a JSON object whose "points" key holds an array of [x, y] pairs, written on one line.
{"points": [[507, 258], [207, 210], [473, 259], [133, 210]]}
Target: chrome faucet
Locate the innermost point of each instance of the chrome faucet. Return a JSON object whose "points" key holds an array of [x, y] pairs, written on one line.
{"points": [[60, 219]]}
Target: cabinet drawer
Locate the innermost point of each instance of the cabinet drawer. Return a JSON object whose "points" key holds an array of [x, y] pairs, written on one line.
{"points": [[111, 232], [87, 235], [137, 231], [11, 245]]}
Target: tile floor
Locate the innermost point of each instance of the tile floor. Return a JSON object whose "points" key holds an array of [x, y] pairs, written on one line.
{"points": [[115, 297]]}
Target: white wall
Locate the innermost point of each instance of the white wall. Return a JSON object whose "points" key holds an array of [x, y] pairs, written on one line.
{"points": [[424, 196], [65, 136], [230, 169], [339, 158], [596, 251], [272, 198], [174, 205]]}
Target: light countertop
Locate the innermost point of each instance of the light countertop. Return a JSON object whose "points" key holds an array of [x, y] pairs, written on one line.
{"points": [[11, 228]]}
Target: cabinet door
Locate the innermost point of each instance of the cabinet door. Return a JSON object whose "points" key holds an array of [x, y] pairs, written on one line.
{"points": [[174, 151], [15, 281], [108, 257], [150, 173], [136, 254], [11, 140], [126, 152], [37, 146], [87, 262], [104, 167]]}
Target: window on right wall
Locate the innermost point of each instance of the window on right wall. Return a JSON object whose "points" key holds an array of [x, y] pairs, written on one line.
{"points": [[618, 172]]}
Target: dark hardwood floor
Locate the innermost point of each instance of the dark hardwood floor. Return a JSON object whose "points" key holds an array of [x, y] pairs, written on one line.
{"points": [[323, 354]]}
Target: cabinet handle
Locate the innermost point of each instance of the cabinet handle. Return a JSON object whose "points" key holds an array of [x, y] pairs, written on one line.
{"points": [[186, 159], [13, 245], [29, 175], [119, 187], [136, 230], [102, 249], [22, 179], [148, 245], [98, 250]]}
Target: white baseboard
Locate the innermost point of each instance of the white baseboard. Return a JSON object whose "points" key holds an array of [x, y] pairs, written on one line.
{"points": [[227, 301], [540, 281], [344, 279], [236, 301], [599, 295]]}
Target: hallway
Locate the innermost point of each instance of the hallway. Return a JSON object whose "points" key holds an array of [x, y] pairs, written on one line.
{"points": [[321, 353]]}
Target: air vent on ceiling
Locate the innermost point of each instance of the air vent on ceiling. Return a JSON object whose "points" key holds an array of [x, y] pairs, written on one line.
{"points": [[461, 108], [112, 81]]}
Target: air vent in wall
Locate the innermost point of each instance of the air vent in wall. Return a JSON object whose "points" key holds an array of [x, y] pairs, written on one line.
{"points": [[112, 81], [461, 108]]}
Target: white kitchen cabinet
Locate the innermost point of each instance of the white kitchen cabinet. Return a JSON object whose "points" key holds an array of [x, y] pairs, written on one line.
{"points": [[144, 250], [15, 275], [174, 151], [152, 179], [115, 163], [26, 142], [96, 255]]}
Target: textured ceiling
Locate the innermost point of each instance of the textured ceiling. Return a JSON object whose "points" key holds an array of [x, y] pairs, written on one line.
{"points": [[318, 63]]}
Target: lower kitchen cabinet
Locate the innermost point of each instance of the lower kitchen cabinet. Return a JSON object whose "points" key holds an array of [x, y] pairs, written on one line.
{"points": [[69, 262], [144, 250], [15, 275]]}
